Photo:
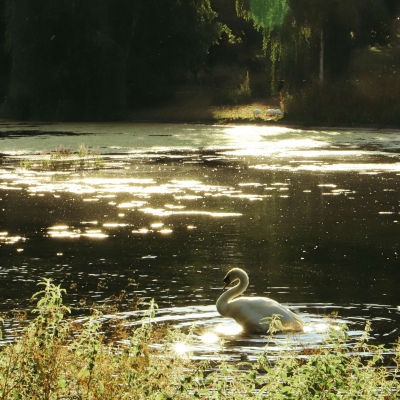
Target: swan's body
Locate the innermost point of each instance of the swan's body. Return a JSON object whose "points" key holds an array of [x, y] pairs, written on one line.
{"points": [[252, 313]]}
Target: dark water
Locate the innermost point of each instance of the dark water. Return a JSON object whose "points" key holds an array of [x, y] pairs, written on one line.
{"points": [[313, 216]]}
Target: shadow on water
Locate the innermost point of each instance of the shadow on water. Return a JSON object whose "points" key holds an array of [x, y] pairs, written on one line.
{"points": [[313, 217]]}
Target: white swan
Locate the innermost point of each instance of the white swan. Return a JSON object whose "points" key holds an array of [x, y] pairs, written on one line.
{"points": [[249, 312]]}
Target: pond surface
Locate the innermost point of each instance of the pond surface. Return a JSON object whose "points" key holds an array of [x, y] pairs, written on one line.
{"points": [[312, 216]]}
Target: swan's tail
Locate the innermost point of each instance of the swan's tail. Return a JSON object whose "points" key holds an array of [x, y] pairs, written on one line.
{"points": [[298, 324]]}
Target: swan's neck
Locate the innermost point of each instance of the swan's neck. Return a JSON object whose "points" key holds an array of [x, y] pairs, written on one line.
{"points": [[226, 297]]}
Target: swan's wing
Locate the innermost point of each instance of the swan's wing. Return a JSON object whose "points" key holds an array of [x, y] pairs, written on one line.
{"points": [[268, 308], [255, 311]]}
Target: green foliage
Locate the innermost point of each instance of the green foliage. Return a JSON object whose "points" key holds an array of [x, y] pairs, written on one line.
{"points": [[332, 372], [170, 45], [235, 91], [268, 14], [86, 60], [57, 358], [349, 102], [61, 53], [292, 35]]}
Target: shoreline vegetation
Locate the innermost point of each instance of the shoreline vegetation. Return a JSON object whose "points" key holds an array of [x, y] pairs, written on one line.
{"points": [[200, 110], [240, 115], [58, 357], [341, 106], [216, 115]]}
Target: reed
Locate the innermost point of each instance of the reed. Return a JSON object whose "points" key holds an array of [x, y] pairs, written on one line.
{"points": [[64, 159]]}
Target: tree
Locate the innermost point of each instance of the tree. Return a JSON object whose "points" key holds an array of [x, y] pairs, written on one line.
{"points": [[285, 45], [340, 27], [61, 53], [4, 59], [73, 59], [268, 14], [170, 45], [306, 39]]}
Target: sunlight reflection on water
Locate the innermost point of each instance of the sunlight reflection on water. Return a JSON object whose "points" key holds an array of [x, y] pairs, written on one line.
{"points": [[63, 231], [5, 238], [339, 167], [312, 215], [213, 336]]}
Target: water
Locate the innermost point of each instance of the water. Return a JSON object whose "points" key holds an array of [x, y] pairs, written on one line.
{"points": [[312, 216]]}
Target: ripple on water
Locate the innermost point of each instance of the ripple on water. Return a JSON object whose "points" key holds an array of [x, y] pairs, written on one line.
{"points": [[252, 198], [214, 336]]}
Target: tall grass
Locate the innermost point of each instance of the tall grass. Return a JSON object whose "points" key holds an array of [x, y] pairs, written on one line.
{"points": [[59, 358]]}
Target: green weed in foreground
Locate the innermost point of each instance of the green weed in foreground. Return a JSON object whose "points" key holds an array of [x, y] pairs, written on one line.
{"points": [[58, 358]]}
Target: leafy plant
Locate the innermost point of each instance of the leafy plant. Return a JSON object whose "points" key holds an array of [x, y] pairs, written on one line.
{"points": [[57, 357]]}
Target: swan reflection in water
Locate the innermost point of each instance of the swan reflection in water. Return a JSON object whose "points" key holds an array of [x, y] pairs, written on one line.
{"points": [[253, 313]]}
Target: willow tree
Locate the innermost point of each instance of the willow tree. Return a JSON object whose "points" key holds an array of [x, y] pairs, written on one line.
{"points": [[285, 45], [309, 40], [270, 16]]}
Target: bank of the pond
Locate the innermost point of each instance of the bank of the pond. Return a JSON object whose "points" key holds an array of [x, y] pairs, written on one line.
{"points": [[240, 115], [197, 111]]}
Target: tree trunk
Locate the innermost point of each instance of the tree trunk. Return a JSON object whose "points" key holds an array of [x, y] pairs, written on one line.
{"points": [[321, 58]]}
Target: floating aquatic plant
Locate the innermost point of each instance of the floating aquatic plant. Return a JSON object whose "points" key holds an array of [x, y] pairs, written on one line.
{"points": [[63, 158]]}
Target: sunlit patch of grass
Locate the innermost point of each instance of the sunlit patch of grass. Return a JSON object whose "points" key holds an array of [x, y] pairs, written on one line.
{"points": [[60, 358], [245, 113], [63, 158]]}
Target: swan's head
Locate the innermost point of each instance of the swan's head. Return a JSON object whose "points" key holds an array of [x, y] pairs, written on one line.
{"points": [[233, 275]]}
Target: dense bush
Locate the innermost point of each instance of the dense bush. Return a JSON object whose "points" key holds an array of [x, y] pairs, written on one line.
{"points": [[348, 102]]}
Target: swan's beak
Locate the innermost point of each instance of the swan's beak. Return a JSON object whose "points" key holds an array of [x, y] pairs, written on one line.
{"points": [[227, 282]]}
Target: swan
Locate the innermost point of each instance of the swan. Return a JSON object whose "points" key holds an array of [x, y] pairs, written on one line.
{"points": [[249, 312], [256, 112]]}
